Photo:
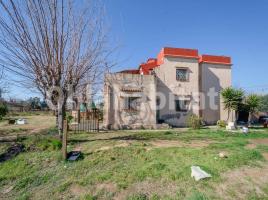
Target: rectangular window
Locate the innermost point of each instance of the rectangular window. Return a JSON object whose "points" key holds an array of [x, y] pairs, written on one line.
{"points": [[182, 105], [158, 101], [131, 103], [181, 74]]}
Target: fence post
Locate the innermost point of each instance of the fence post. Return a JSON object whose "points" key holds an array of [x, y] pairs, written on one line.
{"points": [[64, 140], [98, 123], [78, 116]]}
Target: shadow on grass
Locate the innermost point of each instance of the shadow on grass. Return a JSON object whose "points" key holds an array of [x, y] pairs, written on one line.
{"points": [[127, 138], [257, 128]]}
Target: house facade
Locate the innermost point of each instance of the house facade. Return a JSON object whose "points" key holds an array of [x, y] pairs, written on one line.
{"points": [[167, 89]]}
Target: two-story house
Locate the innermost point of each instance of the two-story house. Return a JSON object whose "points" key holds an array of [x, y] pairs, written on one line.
{"points": [[167, 89]]}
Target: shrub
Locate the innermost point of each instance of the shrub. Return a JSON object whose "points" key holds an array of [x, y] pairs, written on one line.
{"points": [[221, 123], [40, 142], [69, 119], [3, 110], [193, 121]]}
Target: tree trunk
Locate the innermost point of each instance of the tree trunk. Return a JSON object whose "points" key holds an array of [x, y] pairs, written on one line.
{"points": [[61, 116], [228, 116], [236, 117], [56, 114], [249, 119]]}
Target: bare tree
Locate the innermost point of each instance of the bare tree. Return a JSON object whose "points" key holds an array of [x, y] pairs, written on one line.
{"points": [[53, 45], [3, 84]]}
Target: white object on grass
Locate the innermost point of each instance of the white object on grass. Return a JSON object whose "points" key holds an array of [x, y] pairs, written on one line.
{"points": [[245, 130], [198, 173], [21, 121], [230, 126]]}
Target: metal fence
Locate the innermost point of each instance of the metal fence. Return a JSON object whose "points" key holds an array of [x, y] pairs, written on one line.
{"points": [[87, 122]]}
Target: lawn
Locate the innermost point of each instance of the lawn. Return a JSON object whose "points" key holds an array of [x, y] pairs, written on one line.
{"points": [[36, 122], [140, 165]]}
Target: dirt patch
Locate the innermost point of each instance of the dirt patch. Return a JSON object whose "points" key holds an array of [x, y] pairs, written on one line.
{"points": [[243, 182], [253, 143], [173, 143], [108, 187], [7, 189], [121, 144], [166, 143], [261, 141], [251, 146], [148, 188], [11, 152], [149, 145], [77, 190], [265, 155]]}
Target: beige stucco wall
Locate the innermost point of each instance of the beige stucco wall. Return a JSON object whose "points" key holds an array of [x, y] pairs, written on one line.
{"points": [[168, 85], [215, 76], [114, 114], [163, 84]]}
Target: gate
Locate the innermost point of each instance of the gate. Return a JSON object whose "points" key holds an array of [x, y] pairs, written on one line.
{"points": [[86, 121]]}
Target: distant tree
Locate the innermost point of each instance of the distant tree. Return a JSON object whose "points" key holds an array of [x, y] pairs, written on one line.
{"points": [[263, 107], [44, 105], [232, 99], [3, 110], [35, 103], [252, 102]]}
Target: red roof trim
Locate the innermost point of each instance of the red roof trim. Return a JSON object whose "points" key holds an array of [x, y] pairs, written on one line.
{"points": [[218, 63], [167, 52], [151, 63], [180, 56], [215, 59], [188, 53]]}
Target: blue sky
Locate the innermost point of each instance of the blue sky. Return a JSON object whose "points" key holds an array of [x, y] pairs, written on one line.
{"points": [[236, 28]]}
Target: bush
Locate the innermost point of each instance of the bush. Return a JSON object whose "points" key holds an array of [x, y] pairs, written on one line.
{"points": [[3, 110], [193, 121], [221, 123], [69, 118], [40, 142]]}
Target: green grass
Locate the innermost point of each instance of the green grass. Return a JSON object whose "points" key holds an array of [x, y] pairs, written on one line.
{"points": [[40, 173], [42, 142]]}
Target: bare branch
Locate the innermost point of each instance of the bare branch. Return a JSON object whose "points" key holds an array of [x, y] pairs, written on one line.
{"points": [[50, 43]]}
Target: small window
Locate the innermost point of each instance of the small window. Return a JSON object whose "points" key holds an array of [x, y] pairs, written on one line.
{"points": [[181, 74], [182, 105], [131, 103], [158, 101]]}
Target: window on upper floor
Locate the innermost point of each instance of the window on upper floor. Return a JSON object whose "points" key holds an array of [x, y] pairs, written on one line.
{"points": [[182, 74]]}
